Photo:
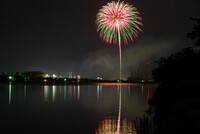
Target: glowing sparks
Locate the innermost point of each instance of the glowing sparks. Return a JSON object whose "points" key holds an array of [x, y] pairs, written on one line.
{"points": [[118, 19]]}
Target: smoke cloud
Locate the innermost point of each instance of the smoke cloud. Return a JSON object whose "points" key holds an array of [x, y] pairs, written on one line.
{"points": [[105, 62]]}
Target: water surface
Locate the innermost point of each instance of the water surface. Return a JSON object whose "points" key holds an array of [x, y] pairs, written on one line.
{"points": [[79, 109]]}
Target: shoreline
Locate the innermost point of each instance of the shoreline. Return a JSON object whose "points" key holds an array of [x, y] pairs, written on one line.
{"points": [[80, 83]]}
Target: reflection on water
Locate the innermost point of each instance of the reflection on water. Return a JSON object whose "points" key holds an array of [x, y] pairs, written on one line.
{"points": [[69, 92], [65, 92], [142, 90], [75, 107], [147, 95], [46, 93], [73, 92], [99, 91], [53, 93], [129, 89], [119, 114], [10, 92], [78, 92], [24, 91], [109, 126]]}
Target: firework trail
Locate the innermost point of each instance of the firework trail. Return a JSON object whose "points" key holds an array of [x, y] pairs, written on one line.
{"points": [[116, 21]]}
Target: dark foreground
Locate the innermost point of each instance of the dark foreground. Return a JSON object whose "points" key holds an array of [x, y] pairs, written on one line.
{"points": [[177, 108]]}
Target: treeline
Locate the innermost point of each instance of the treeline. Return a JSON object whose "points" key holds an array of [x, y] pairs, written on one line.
{"points": [[177, 100]]}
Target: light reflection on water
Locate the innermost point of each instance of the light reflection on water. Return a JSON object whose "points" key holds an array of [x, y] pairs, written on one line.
{"points": [[24, 91], [10, 92], [112, 125], [109, 126], [99, 91], [82, 104], [71, 93]]}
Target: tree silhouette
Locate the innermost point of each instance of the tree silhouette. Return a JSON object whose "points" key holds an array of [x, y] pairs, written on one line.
{"points": [[180, 66], [195, 33], [183, 65], [177, 98]]}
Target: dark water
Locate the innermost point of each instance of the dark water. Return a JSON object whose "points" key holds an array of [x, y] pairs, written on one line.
{"points": [[85, 109]]}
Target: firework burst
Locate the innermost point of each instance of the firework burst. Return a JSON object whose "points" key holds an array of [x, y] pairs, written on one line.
{"points": [[118, 20]]}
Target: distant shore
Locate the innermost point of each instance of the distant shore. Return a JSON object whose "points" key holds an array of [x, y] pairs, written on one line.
{"points": [[103, 83]]}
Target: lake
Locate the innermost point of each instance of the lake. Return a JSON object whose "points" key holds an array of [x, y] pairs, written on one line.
{"points": [[72, 109]]}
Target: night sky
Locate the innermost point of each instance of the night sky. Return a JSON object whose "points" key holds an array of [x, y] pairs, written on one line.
{"points": [[58, 36]]}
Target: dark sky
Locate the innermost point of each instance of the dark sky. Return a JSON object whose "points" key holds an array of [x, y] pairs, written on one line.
{"points": [[58, 36]]}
